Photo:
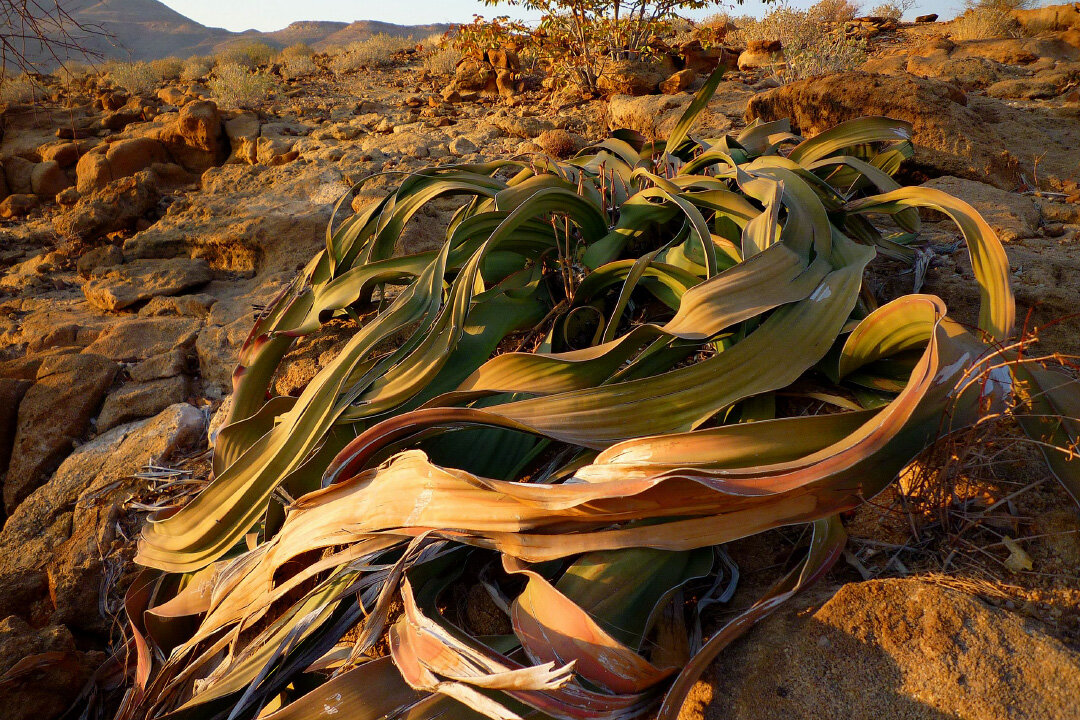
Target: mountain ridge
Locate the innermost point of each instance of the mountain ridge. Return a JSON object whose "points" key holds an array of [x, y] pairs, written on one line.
{"points": [[150, 29]]}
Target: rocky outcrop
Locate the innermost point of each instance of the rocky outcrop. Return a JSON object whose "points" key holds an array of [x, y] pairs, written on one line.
{"points": [[118, 287], [950, 136], [118, 205], [630, 77], [54, 413]]}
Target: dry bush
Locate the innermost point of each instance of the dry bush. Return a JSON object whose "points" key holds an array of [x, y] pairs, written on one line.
{"points": [[812, 44], [299, 66], [250, 55], [196, 68], [235, 86], [443, 61], [297, 51], [135, 77], [892, 9], [168, 68], [984, 23], [73, 70], [834, 11], [17, 90], [376, 51]]}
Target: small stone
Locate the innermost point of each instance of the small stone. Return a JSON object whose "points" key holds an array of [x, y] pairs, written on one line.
{"points": [[462, 146]]}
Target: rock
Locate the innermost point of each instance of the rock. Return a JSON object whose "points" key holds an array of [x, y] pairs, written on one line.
{"points": [[117, 287], [120, 119], [92, 172], [275, 150], [68, 197], [630, 77], [55, 546], [12, 391], [219, 343], [197, 305], [704, 61], [41, 670], [127, 157], [949, 136], [141, 399], [1053, 17], [3, 183], [140, 338], [54, 413], [522, 127], [761, 54], [932, 17], [560, 143], [504, 59], [49, 179], [462, 146], [243, 133], [197, 141], [655, 115], [450, 95], [99, 257], [115, 207], [166, 365], [474, 75], [172, 96], [1042, 86], [1012, 216], [66, 154], [504, 83], [19, 175], [895, 649], [18, 205], [678, 82]]}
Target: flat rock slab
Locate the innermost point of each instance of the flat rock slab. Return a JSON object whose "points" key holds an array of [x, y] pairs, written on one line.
{"points": [[54, 413], [140, 338], [895, 649], [143, 399], [119, 287]]}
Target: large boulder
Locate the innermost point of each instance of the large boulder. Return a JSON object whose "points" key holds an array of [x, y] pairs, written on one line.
{"points": [[54, 413], [197, 142], [56, 547], [951, 137], [141, 338], [655, 115], [761, 54], [49, 179], [18, 172], [895, 649], [474, 76], [12, 391], [119, 287], [630, 77]]}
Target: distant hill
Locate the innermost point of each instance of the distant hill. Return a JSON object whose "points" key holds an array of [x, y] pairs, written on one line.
{"points": [[148, 29]]}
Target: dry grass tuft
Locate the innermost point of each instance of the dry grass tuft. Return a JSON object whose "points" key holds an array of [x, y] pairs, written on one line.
{"points": [[376, 51], [136, 77], [985, 23]]}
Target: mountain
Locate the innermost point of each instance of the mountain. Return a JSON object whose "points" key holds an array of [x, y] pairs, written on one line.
{"points": [[148, 29]]}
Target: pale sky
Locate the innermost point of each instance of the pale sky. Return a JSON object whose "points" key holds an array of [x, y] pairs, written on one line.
{"points": [[268, 15]]}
